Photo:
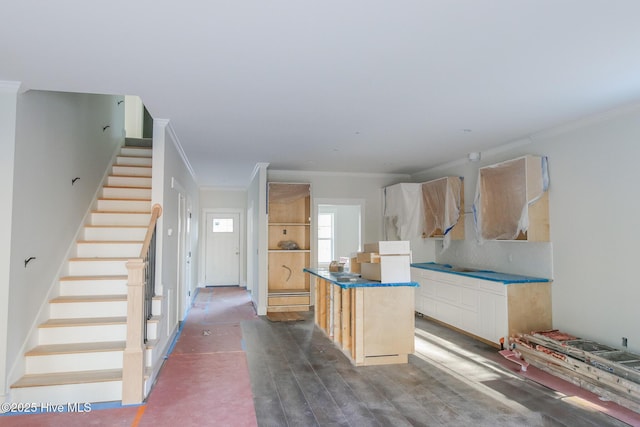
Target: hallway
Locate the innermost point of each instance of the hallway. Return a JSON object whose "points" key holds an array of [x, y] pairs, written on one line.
{"points": [[230, 367]]}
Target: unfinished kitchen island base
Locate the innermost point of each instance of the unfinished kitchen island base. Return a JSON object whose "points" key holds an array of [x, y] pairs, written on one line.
{"points": [[371, 322]]}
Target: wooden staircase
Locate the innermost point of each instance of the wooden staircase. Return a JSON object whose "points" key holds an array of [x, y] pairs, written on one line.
{"points": [[80, 348]]}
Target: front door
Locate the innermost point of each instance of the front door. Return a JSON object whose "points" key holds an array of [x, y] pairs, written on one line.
{"points": [[222, 249]]}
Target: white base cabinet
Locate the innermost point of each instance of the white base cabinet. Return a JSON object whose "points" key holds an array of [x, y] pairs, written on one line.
{"points": [[486, 309]]}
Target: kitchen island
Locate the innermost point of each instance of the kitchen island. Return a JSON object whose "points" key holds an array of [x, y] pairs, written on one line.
{"points": [[371, 322]]}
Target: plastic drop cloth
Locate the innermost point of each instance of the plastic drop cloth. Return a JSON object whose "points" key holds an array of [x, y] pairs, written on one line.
{"points": [[441, 200], [402, 211], [503, 194]]}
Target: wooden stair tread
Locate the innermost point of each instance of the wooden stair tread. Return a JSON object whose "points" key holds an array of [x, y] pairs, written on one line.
{"points": [[84, 321], [124, 242], [125, 187], [88, 298], [93, 298], [102, 259], [132, 166], [89, 347], [115, 226], [61, 378], [88, 321], [120, 199], [123, 212], [113, 175], [72, 278]]}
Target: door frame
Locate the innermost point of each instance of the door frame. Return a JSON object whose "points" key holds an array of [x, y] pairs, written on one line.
{"points": [[203, 243]]}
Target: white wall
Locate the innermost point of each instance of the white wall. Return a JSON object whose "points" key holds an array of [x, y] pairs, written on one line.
{"points": [[59, 136], [8, 110], [593, 205], [176, 179], [257, 238]]}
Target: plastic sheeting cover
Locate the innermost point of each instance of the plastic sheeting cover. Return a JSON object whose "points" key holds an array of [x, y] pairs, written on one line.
{"points": [[503, 193], [403, 211], [441, 201]]}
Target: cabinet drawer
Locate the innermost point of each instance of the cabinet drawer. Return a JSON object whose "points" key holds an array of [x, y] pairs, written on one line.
{"points": [[497, 288], [289, 300], [448, 292]]}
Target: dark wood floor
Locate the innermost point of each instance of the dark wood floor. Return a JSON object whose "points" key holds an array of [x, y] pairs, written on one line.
{"points": [[299, 378]]}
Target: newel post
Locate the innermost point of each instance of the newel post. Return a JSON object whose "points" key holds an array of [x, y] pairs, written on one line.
{"points": [[133, 360]]}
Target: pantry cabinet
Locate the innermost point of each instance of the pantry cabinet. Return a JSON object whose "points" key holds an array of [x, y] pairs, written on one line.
{"points": [[289, 246]]}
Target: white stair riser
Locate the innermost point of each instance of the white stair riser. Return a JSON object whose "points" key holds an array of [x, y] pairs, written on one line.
{"points": [[97, 268], [102, 218], [93, 287], [134, 161], [74, 362], [126, 193], [131, 170], [106, 391], [135, 152], [89, 333], [115, 233], [124, 205], [89, 250], [79, 310], [128, 181]]}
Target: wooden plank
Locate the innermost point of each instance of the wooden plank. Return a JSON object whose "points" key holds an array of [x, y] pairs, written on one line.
{"points": [[296, 233], [289, 300], [61, 378], [529, 307], [321, 303], [285, 270], [352, 321], [346, 319], [337, 318], [389, 321], [358, 315], [296, 211], [371, 257]]}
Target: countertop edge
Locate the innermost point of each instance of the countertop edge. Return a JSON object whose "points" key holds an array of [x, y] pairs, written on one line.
{"points": [[364, 283], [513, 280]]}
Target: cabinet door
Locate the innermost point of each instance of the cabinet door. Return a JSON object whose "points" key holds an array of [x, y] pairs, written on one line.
{"points": [[492, 316]]}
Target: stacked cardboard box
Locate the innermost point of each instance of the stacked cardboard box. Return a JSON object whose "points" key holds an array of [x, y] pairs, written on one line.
{"points": [[386, 261]]}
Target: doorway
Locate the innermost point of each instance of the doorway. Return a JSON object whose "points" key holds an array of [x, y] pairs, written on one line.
{"points": [[339, 230], [222, 249]]}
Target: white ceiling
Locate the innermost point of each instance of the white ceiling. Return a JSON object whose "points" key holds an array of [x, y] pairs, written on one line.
{"points": [[360, 85]]}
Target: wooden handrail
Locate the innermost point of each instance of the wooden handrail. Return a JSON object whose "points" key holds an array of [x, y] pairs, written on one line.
{"points": [[133, 358], [156, 212]]}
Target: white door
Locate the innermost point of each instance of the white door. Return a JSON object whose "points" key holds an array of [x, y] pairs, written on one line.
{"points": [[222, 249]]}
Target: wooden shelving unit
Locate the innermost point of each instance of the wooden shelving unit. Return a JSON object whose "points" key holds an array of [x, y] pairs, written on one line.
{"points": [[509, 189], [289, 213]]}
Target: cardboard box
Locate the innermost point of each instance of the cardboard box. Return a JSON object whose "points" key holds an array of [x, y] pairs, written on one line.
{"points": [[389, 247]]}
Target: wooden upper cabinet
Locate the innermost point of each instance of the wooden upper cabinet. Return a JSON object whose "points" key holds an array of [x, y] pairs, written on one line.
{"points": [[443, 204], [512, 201]]}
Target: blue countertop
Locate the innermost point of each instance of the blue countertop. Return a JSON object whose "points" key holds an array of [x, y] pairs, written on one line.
{"points": [[493, 276], [350, 280]]}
